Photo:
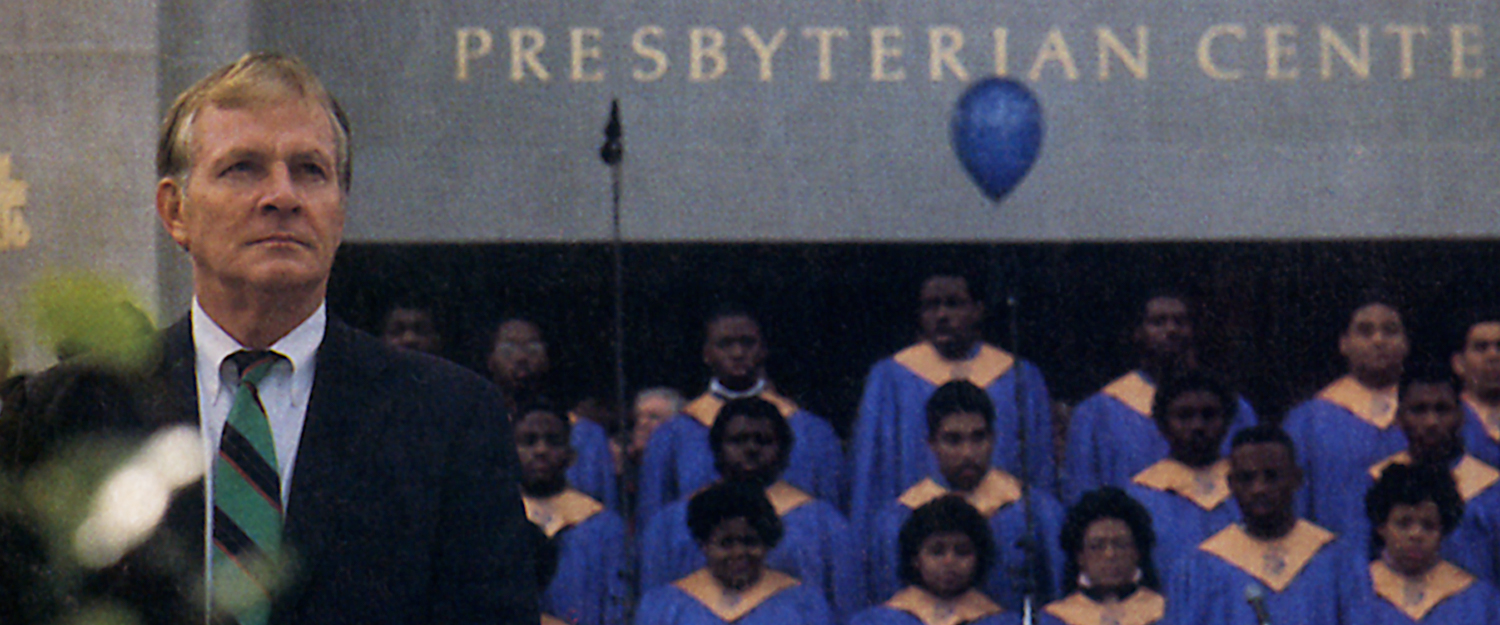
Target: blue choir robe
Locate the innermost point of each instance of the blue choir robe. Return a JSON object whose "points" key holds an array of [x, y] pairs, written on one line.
{"points": [[1142, 607], [699, 599], [816, 547], [1475, 543], [591, 586], [1338, 435], [1112, 437], [593, 470], [1481, 432], [998, 498], [678, 459], [1186, 505], [915, 606], [1302, 575], [890, 451], [1445, 595]]}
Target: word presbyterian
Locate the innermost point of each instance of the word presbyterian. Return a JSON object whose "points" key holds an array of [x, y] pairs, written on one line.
{"points": [[1223, 52]]}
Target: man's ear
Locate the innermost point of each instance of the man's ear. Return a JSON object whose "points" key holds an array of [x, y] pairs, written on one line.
{"points": [[169, 208]]}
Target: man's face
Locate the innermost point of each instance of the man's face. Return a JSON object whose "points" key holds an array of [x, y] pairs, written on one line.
{"points": [[1430, 418], [750, 449], [962, 445], [412, 329], [261, 209], [1263, 478], [519, 357], [733, 350], [543, 448], [1478, 364], [1375, 342], [650, 412], [1166, 330], [1194, 425], [949, 316]]}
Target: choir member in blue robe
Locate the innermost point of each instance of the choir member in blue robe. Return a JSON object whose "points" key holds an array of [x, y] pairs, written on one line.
{"points": [[1296, 570], [750, 440], [734, 526], [1430, 417], [1412, 508], [678, 460], [1477, 364], [1349, 425], [961, 419], [519, 365], [946, 552], [591, 586], [1109, 577], [1111, 435], [1188, 492], [889, 452]]}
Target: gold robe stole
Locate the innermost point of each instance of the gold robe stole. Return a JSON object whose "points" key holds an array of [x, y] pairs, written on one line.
{"points": [[561, 511], [705, 409], [1375, 407], [983, 369], [730, 605], [1416, 597], [968, 607], [997, 490], [1275, 563], [1142, 607], [1207, 488], [1133, 391]]}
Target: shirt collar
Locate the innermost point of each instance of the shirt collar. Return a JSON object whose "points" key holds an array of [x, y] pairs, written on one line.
{"points": [[212, 344]]}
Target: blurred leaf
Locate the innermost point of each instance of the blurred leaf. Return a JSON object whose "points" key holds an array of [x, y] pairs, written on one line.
{"points": [[83, 314]]}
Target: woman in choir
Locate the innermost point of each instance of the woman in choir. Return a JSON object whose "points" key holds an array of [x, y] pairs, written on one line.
{"points": [[735, 525], [1109, 576], [946, 550], [1412, 508]]}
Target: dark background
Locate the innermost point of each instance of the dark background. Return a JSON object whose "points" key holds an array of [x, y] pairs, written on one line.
{"points": [[1271, 311]]}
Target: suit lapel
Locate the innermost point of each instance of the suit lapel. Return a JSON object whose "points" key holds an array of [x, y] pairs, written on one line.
{"points": [[320, 485]]}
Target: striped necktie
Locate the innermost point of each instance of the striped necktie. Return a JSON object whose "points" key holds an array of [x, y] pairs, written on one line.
{"points": [[247, 502]]}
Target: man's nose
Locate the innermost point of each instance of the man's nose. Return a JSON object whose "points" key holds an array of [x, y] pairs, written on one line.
{"points": [[281, 193]]}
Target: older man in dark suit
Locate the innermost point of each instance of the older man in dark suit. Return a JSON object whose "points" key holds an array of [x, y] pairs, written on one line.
{"points": [[350, 482]]}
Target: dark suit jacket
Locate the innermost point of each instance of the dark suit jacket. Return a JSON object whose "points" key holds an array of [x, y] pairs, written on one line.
{"points": [[404, 506]]}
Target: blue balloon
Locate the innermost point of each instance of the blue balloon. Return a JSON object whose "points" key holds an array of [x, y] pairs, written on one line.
{"points": [[997, 134]]}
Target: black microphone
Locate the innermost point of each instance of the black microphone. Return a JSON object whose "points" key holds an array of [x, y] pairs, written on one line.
{"points": [[613, 149], [1257, 600]]}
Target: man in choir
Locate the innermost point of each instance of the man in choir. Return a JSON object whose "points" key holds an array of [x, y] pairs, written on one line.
{"points": [[1412, 509], [751, 442], [590, 586], [412, 326], [735, 527], [1349, 425], [889, 452], [519, 365], [1188, 492], [1430, 417], [1272, 561], [1111, 436], [1477, 364], [962, 437], [678, 459], [1109, 576], [946, 552]]}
